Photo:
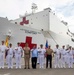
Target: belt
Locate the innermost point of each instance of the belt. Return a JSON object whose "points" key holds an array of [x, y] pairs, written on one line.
{"points": [[27, 54], [18, 53], [63, 54], [10, 54], [48, 54], [2, 52]]}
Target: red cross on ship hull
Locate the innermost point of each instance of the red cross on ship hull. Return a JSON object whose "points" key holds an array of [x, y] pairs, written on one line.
{"points": [[29, 41]]}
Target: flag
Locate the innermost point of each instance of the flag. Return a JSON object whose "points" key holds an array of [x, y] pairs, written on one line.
{"points": [[6, 41], [46, 45]]}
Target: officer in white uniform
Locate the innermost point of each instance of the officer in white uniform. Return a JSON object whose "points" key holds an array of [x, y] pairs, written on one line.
{"points": [[67, 57], [42, 52], [56, 57], [2, 54], [70, 65], [18, 54], [63, 52], [10, 56], [73, 54], [38, 56]]}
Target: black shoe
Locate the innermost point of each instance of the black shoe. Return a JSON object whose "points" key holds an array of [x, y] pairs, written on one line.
{"points": [[28, 68], [34, 68], [24, 67]]}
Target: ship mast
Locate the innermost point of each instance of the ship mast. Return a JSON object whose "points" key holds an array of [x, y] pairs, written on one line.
{"points": [[34, 7]]}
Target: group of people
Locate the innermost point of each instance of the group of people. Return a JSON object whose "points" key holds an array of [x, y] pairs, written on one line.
{"points": [[9, 53], [62, 57]]}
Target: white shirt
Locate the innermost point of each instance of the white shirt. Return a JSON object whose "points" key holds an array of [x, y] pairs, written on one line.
{"points": [[63, 52], [10, 51], [2, 49], [18, 50], [67, 53], [70, 53], [57, 51], [41, 52]]}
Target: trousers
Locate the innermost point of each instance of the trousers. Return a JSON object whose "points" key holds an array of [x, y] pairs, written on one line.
{"points": [[18, 61], [34, 62], [2, 60], [41, 59], [27, 61], [10, 61], [49, 59]]}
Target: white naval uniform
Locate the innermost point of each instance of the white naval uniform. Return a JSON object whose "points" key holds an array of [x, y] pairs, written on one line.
{"points": [[2, 55], [38, 57], [18, 53], [73, 56], [41, 57], [70, 65], [56, 58], [10, 57], [67, 57], [62, 63]]}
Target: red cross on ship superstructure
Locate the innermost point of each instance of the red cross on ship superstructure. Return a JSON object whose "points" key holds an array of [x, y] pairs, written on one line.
{"points": [[24, 21]]}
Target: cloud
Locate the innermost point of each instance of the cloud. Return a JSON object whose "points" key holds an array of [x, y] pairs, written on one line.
{"points": [[66, 12], [12, 8]]}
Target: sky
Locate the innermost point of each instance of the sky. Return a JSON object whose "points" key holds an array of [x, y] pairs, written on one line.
{"points": [[64, 9]]}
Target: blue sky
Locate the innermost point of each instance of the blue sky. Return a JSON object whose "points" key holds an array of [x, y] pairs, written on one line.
{"points": [[64, 9]]}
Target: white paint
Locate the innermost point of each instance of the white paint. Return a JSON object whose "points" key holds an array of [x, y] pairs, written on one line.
{"points": [[54, 30], [5, 74]]}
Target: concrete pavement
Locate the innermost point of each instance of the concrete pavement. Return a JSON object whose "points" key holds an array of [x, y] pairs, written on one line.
{"points": [[37, 71]]}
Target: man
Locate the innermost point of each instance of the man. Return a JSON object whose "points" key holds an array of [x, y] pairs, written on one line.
{"points": [[42, 52], [2, 54], [38, 57], [70, 65], [34, 56], [63, 52], [56, 57], [18, 53], [73, 54], [49, 52], [10, 56], [27, 56]]}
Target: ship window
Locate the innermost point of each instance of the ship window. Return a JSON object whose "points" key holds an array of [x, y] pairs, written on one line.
{"points": [[41, 29], [72, 39], [15, 22]]}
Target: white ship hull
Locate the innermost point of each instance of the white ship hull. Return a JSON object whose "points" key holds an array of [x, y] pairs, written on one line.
{"points": [[32, 36]]}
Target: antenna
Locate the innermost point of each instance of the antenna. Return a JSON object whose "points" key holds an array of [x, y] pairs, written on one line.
{"points": [[34, 7]]}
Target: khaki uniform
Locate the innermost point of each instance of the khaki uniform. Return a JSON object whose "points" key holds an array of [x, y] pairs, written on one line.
{"points": [[49, 57], [49, 51], [27, 56]]}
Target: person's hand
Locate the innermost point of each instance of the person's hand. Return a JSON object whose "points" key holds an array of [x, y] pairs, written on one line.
{"points": [[16, 48]]}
